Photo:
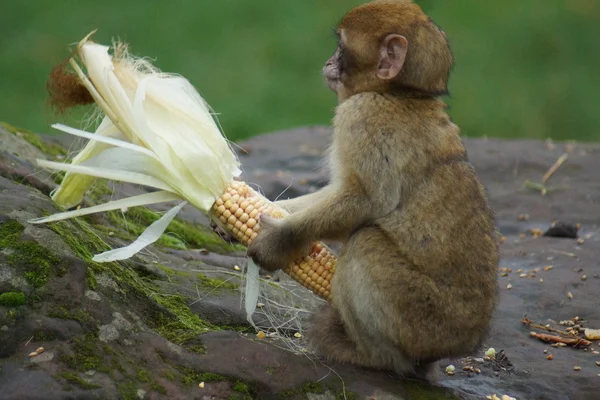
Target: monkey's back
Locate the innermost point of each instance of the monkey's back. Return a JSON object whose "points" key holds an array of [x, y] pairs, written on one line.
{"points": [[442, 231]]}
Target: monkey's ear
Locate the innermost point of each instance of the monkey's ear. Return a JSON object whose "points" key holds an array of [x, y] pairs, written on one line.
{"points": [[392, 54]]}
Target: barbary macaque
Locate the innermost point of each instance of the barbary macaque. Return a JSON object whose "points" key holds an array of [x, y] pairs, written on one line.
{"points": [[416, 278]]}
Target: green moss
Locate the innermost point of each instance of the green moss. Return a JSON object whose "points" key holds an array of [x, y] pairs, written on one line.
{"points": [[58, 176], [44, 335], [170, 375], [184, 325], [157, 387], [241, 387], [244, 389], [76, 380], [99, 188], [176, 322], [35, 260], [12, 299], [79, 315], [143, 376], [174, 272], [86, 353], [205, 281], [128, 390], [190, 376], [12, 314], [46, 148], [198, 349], [179, 234], [215, 283], [286, 394], [313, 387]]}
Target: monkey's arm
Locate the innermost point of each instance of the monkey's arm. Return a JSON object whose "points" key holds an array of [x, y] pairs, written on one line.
{"points": [[369, 189], [335, 217], [302, 202]]}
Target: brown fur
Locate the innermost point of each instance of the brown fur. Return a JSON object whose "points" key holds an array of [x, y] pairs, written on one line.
{"points": [[416, 279], [428, 61]]}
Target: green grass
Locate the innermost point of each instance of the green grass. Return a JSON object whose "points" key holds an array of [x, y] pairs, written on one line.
{"points": [[524, 68]]}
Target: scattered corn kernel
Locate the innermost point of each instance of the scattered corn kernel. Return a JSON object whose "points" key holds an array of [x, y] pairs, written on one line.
{"points": [[576, 368], [592, 334], [509, 286], [201, 385], [491, 352], [550, 357], [570, 295], [260, 335]]}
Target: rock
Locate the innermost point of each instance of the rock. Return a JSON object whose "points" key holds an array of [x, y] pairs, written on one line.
{"points": [[92, 295], [160, 324], [44, 357]]}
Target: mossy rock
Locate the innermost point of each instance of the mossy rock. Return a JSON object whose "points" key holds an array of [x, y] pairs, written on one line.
{"points": [[50, 149], [36, 261]]}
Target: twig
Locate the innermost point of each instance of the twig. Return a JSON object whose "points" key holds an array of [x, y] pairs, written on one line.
{"points": [[541, 186], [564, 253], [528, 322], [555, 167], [544, 189], [573, 341]]}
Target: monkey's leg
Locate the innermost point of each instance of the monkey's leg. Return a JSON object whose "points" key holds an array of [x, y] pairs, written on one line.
{"points": [[327, 336], [387, 310], [340, 333]]}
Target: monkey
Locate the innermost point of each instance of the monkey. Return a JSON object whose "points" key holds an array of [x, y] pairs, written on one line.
{"points": [[416, 277]]}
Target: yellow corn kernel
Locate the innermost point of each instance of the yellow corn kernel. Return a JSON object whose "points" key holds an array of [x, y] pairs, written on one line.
{"points": [[238, 211]]}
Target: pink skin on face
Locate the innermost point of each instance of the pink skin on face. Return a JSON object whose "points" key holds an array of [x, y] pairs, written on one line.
{"points": [[331, 73]]}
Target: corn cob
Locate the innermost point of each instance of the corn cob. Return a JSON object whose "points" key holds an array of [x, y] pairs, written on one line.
{"points": [[238, 212]]}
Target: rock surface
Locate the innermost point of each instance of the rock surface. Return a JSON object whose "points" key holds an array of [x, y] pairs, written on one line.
{"points": [[159, 325]]}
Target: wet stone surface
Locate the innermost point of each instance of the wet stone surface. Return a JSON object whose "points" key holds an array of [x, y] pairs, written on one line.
{"points": [[159, 326]]}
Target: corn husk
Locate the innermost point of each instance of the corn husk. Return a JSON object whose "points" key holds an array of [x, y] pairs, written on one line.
{"points": [[158, 132]]}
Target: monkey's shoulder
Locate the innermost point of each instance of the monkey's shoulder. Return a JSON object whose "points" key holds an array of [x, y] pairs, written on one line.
{"points": [[371, 112]]}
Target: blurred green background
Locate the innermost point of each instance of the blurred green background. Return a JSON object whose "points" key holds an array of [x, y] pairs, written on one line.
{"points": [[524, 68]]}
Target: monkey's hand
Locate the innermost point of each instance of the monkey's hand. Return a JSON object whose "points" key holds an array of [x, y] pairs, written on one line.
{"points": [[276, 245]]}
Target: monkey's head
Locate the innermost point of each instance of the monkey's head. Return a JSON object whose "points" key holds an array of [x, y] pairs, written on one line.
{"points": [[389, 46]]}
